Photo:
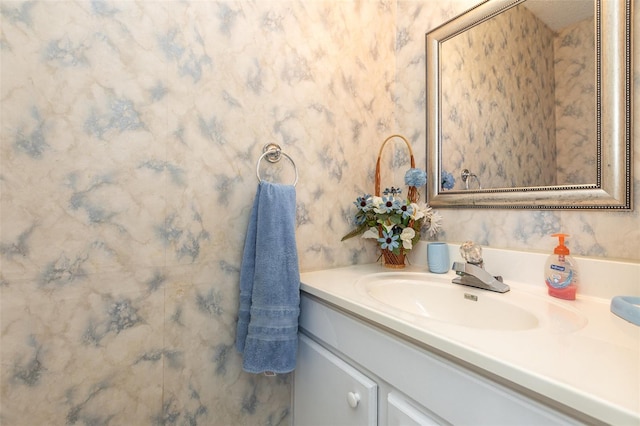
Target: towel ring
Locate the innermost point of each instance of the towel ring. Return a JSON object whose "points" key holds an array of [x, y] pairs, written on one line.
{"points": [[273, 153]]}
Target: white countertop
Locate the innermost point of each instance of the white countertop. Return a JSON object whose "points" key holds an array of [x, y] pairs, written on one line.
{"points": [[595, 369]]}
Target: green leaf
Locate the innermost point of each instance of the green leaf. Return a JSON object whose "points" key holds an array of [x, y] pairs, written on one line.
{"points": [[415, 239], [358, 231], [396, 220]]}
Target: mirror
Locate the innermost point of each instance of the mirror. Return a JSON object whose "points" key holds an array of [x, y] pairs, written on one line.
{"points": [[507, 125]]}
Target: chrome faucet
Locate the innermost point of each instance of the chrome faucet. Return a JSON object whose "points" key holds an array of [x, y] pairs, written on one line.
{"points": [[472, 273], [474, 276]]}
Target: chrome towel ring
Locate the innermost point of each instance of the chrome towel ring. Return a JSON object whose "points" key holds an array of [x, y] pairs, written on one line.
{"points": [[273, 153], [466, 176]]}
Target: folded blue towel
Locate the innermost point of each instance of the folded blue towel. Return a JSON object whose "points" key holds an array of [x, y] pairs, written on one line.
{"points": [[267, 331]]}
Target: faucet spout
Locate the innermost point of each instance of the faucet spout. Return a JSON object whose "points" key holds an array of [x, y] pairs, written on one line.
{"points": [[474, 276]]}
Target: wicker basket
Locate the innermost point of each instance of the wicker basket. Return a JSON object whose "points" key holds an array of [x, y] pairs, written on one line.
{"points": [[391, 260]]}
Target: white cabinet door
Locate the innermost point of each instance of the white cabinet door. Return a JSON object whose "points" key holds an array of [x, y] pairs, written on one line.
{"points": [[330, 392], [402, 413]]}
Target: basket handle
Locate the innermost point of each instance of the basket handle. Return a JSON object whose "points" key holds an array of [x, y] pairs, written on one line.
{"points": [[413, 191]]}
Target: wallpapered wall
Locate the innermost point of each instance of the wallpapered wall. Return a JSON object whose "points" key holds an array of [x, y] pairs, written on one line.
{"points": [[498, 105], [575, 107], [129, 136]]}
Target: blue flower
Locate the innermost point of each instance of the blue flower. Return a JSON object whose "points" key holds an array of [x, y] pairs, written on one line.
{"points": [[363, 203], [447, 180], [415, 177], [405, 209], [360, 218], [392, 191], [389, 241]]}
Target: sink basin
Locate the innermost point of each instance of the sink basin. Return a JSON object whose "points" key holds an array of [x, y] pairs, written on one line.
{"points": [[414, 295]]}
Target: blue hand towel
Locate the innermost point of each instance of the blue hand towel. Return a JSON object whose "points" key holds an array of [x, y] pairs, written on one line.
{"points": [[267, 331]]}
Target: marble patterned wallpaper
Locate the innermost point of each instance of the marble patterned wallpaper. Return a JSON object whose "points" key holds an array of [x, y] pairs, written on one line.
{"points": [[498, 93], [128, 141], [574, 49]]}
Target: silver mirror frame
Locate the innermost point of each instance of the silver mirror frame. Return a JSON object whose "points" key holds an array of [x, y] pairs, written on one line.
{"points": [[613, 189]]}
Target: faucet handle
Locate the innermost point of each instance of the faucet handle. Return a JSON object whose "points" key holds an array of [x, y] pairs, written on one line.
{"points": [[471, 253]]}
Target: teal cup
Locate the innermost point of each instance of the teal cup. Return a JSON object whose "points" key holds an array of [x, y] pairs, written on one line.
{"points": [[438, 257]]}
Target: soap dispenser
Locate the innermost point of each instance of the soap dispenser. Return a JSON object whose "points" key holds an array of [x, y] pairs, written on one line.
{"points": [[560, 272]]}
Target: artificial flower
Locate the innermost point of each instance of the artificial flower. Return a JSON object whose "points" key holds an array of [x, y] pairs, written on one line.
{"points": [[420, 211], [435, 223], [364, 202], [406, 209], [371, 233], [387, 205], [407, 236], [399, 220], [389, 241], [395, 222], [415, 177], [388, 226]]}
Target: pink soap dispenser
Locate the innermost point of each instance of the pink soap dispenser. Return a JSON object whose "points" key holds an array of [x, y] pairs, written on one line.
{"points": [[560, 272]]}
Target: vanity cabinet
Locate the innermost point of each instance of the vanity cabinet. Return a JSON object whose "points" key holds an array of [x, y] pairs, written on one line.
{"points": [[351, 372], [329, 391]]}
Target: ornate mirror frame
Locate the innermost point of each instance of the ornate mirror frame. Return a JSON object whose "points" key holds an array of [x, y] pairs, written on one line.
{"points": [[613, 189]]}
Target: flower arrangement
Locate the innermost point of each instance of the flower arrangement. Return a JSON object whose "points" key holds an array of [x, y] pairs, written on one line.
{"points": [[394, 221]]}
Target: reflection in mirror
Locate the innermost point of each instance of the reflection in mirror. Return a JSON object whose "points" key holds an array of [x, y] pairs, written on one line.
{"points": [[524, 88], [516, 84]]}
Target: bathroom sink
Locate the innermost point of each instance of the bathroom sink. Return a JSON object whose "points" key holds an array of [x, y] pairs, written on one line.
{"points": [[423, 296]]}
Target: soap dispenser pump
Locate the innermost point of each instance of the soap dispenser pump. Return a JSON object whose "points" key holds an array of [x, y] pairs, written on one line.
{"points": [[560, 272]]}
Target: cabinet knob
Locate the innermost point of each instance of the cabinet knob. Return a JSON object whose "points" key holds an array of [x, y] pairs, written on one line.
{"points": [[353, 398]]}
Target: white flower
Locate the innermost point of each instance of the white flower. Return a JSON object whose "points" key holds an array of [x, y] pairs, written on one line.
{"points": [[388, 226], [376, 201], [420, 211], [435, 223], [371, 233], [406, 237]]}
